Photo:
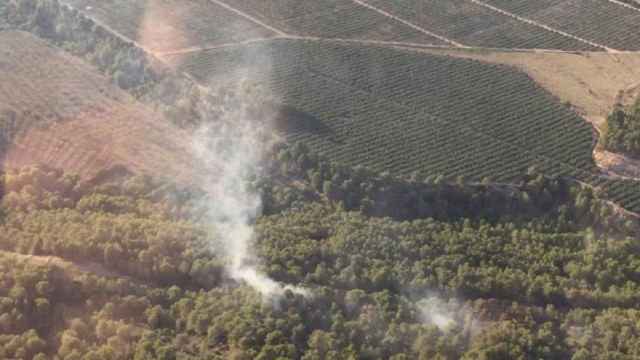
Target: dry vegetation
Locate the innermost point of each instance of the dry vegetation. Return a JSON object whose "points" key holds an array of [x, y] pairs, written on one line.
{"points": [[72, 118]]}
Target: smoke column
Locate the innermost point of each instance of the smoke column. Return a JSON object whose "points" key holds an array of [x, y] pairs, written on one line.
{"points": [[231, 151], [437, 312]]}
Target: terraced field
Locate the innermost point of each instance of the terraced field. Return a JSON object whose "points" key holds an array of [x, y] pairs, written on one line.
{"points": [[475, 25], [599, 21], [168, 25]]}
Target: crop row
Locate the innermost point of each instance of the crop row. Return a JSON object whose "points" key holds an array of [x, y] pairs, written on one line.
{"points": [[491, 99], [166, 25], [475, 25], [463, 111], [600, 21], [331, 19], [3, 15], [405, 112]]}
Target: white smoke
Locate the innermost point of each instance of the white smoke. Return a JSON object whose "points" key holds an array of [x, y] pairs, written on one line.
{"points": [[231, 153], [435, 311]]}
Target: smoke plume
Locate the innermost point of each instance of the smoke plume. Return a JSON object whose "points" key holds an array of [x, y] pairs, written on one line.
{"points": [[435, 311], [232, 150]]}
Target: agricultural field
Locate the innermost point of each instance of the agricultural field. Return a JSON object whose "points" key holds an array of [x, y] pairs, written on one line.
{"points": [[343, 19], [612, 78], [474, 25], [404, 112], [318, 179], [166, 26], [3, 20], [563, 74], [169, 25], [400, 111], [57, 110], [602, 22], [493, 129]]}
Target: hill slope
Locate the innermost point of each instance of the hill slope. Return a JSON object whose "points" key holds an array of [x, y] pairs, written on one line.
{"points": [[401, 111], [59, 111]]}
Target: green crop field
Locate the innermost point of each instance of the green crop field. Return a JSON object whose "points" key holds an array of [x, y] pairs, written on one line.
{"points": [[475, 25], [331, 19], [173, 24], [167, 25], [3, 18], [401, 111], [603, 22], [405, 112]]}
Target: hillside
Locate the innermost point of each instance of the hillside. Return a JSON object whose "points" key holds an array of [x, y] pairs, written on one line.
{"points": [[364, 100], [169, 26], [468, 23], [165, 26], [472, 24], [409, 113], [458, 23], [515, 150], [591, 83], [61, 112], [606, 23], [319, 179]]}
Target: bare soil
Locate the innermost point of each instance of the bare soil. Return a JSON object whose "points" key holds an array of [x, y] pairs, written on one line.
{"points": [[73, 118]]}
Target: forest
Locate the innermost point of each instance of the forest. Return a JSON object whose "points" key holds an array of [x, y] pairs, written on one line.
{"points": [[124, 267]]}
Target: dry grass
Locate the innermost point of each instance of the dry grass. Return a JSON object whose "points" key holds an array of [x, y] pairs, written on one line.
{"points": [[75, 119]]}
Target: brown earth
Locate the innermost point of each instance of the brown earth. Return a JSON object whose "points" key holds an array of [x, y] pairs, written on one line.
{"points": [[73, 118]]}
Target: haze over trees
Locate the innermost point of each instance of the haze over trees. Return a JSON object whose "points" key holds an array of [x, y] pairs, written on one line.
{"points": [[146, 285], [441, 247]]}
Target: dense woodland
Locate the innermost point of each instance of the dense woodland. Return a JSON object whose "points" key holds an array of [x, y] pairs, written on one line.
{"points": [[123, 267], [623, 130]]}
